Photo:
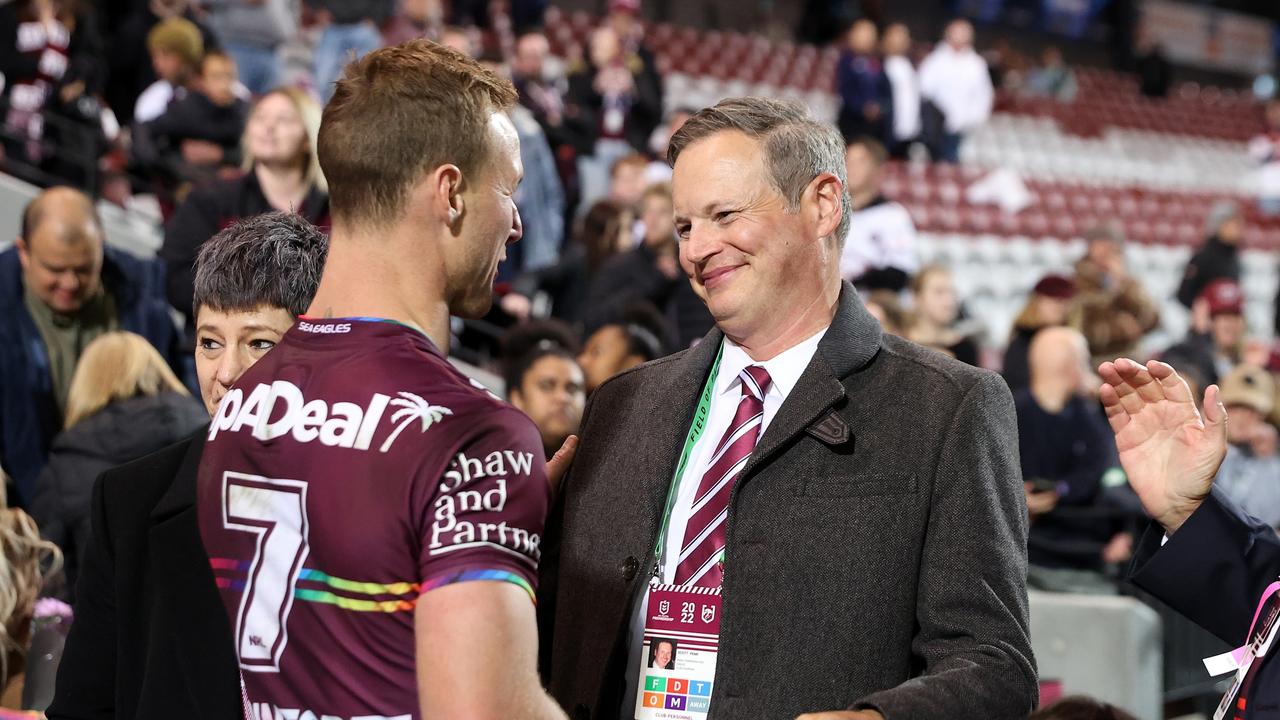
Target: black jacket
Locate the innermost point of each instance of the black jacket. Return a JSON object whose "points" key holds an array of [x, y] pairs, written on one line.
{"points": [[1195, 355], [1215, 261], [634, 277], [119, 433], [213, 208], [1016, 369], [158, 144], [1214, 571], [566, 283], [1073, 448], [584, 107], [151, 638]]}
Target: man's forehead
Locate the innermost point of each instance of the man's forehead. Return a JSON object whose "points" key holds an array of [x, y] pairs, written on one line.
{"points": [[723, 166]]}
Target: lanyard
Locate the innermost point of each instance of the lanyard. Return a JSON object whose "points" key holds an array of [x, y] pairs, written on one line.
{"points": [[1242, 659], [695, 431]]}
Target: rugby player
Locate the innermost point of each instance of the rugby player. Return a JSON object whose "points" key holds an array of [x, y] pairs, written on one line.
{"points": [[373, 517]]}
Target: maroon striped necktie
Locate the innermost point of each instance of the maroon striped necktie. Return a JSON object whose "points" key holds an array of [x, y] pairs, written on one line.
{"points": [[704, 535]]}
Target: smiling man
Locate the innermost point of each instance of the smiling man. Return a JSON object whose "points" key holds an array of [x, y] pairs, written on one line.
{"points": [[798, 480], [60, 288]]}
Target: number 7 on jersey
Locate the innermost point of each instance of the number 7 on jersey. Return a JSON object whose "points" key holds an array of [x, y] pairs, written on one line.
{"points": [[275, 512]]}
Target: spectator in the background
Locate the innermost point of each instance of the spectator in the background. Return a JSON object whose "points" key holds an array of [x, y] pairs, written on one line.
{"points": [[539, 198], [176, 48], [1155, 73], [131, 66], [284, 174], [623, 18], [528, 14], [61, 289], [465, 40], [50, 65], [658, 169], [628, 340], [26, 561], [1264, 150], [547, 385], [904, 84], [1216, 340], [627, 181], [1065, 447], [1219, 257], [886, 307], [1250, 473], [865, 96], [613, 104], [1048, 306], [602, 233], [542, 95], [649, 273], [954, 79], [252, 32], [350, 30], [415, 19], [1001, 64], [880, 249], [1113, 309], [198, 135], [1052, 78], [934, 315], [124, 403]]}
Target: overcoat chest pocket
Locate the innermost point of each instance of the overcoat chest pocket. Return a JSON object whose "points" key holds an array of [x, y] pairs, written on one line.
{"points": [[839, 486]]}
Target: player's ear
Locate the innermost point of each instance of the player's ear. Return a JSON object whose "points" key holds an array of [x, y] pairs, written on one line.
{"points": [[448, 186]]}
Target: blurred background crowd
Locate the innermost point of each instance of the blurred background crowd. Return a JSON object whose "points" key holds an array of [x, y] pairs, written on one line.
{"points": [[1038, 185]]}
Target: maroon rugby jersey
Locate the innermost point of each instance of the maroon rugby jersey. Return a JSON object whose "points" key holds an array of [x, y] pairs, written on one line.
{"points": [[350, 470]]}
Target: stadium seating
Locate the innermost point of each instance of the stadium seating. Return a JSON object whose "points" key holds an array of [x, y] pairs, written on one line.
{"points": [[1156, 166], [1072, 633]]}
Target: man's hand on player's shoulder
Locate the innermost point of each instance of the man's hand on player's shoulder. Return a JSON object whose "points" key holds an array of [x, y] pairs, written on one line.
{"points": [[559, 463]]}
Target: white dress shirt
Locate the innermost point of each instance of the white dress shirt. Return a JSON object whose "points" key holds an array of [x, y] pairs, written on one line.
{"points": [[784, 370]]}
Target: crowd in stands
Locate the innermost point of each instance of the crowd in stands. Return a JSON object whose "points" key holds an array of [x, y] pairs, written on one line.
{"points": [[212, 108]]}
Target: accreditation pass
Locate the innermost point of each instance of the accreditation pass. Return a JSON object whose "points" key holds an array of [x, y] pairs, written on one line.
{"points": [[678, 668]]}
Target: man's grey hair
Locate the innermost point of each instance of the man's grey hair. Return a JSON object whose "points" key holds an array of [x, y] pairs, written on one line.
{"points": [[274, 259], [796, 147]]}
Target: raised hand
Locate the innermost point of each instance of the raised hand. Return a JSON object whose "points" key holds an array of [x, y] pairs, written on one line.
{"points": [[1169, 451]]}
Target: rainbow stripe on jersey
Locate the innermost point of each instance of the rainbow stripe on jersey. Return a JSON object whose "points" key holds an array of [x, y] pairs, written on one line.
{"points": [[357, 596]]}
